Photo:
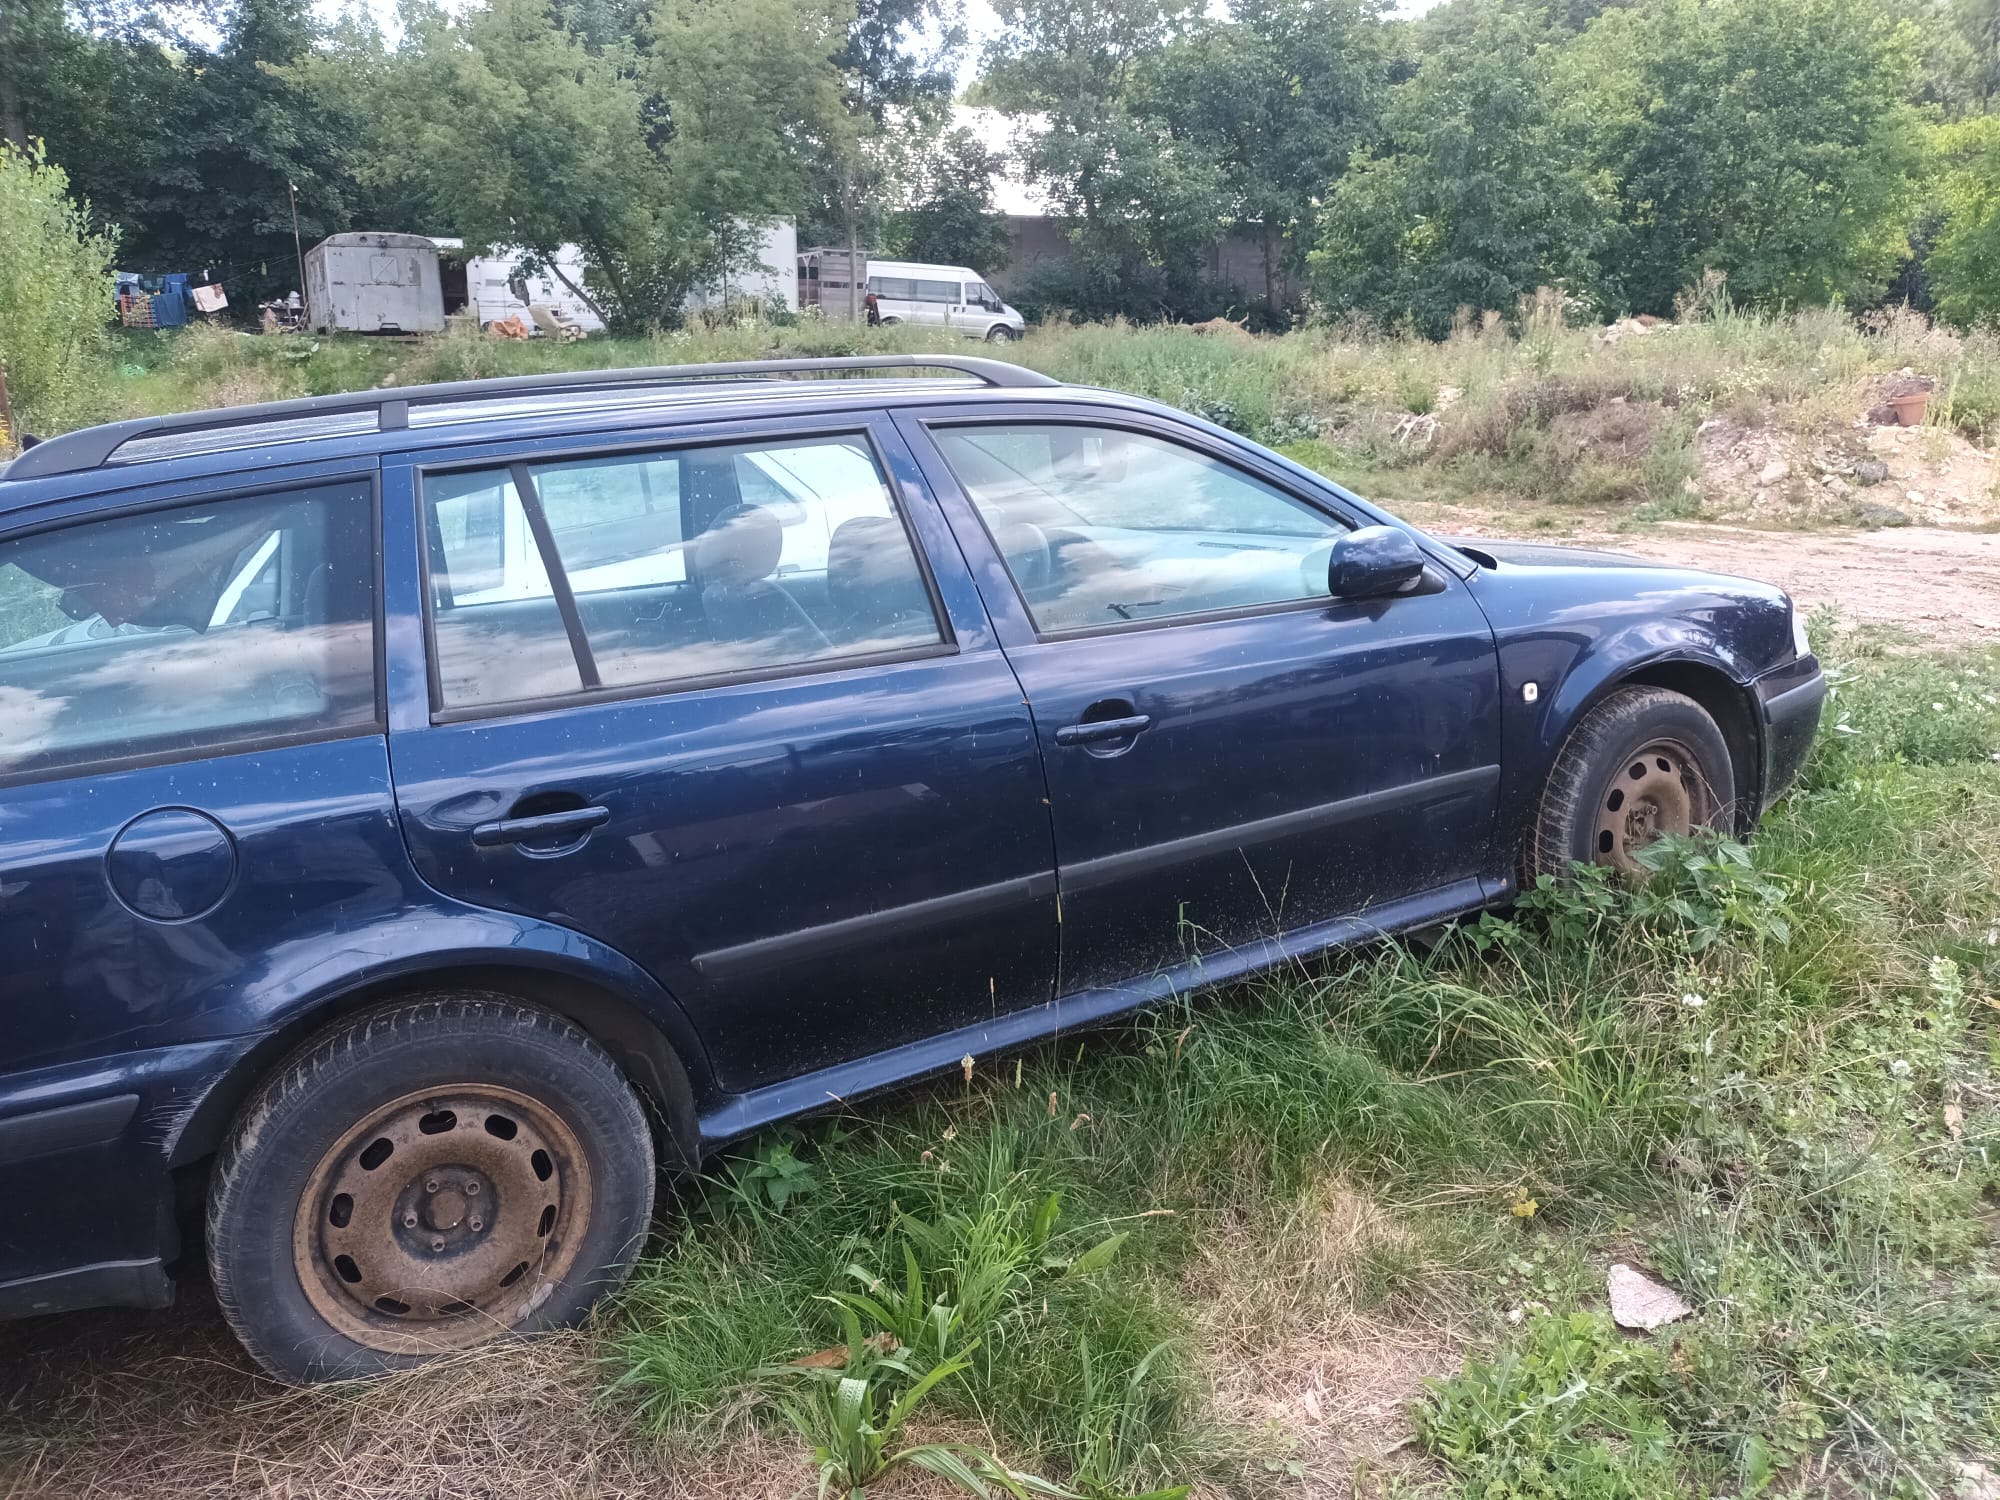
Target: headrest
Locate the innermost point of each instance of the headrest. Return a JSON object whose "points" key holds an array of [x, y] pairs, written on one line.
{"points": [[870, 570], [741, 546], [1025, 546]]}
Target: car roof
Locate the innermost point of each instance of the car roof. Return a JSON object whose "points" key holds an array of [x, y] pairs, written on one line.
{"points": [[117, 455]]}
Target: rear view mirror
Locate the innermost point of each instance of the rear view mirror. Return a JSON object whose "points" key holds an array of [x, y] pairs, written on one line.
{"points": [[1373, 563]]}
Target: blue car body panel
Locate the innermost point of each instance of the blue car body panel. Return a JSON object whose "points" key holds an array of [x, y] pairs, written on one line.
{"points": [[806, 885]]}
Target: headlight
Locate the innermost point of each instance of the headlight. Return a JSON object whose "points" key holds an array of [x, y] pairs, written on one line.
{"points": [[1801, 646]]}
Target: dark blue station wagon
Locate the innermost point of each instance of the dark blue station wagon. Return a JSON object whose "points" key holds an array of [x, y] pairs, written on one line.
{"points": [[426, 814]]}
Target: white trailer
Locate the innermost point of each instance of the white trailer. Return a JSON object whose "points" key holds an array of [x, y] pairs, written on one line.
{"points": [[489, 286], [771, 276], [374, 283]]}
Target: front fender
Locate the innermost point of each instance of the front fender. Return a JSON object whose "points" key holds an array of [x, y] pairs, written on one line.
{"points": [[1571, 655]]}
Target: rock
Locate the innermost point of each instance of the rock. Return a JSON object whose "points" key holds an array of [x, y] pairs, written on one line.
{"points": [[1774, 471], [1870, 471], [1638, 1301], [1874, 513], [1915, 497], [1976, 1482]]}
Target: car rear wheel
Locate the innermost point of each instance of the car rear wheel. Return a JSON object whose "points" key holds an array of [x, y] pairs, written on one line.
{"points": [[425, 1177], [1642, 763]]}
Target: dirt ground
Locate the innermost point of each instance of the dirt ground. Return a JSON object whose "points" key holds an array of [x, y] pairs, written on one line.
{"points": [[1939, 584]]}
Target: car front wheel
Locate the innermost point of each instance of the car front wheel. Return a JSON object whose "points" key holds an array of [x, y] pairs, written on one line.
{"points": [[1000, 333], [1642, 763], [425, 1177]]}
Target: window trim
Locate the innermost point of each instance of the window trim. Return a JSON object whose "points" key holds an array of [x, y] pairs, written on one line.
{"points": [[370, 480], [932, 425], [441, 713]]}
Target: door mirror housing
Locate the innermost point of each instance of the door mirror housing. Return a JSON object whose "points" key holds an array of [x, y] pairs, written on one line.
{"points": [[1374, 562]]}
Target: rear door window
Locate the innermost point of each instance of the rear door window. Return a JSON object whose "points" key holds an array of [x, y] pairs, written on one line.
{"points": [[211, 626], [690, 564]]}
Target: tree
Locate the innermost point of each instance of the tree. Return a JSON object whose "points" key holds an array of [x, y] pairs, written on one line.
{"points": [[1141, 203], [1480, 193], [218, 171], [520, 134], [1771, 139], [56, 295], [1964, 262], [104, 93], [948, 216], [1280, 95]]}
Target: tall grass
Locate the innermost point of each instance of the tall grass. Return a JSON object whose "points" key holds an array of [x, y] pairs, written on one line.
{"points": [[1537, 413]]}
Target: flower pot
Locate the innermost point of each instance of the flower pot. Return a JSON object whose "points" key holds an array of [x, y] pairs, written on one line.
{"points": [[1910, 409]]}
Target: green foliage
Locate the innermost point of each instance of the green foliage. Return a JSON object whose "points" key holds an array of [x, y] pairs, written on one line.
{"points": [[1964, 260], [1140, 201], [559, 155], [947, 217], [772, 1176], [1572, 1413], [1279, 95], [1769, 139], [56, 294], [1932, 710], [1479, 195]]}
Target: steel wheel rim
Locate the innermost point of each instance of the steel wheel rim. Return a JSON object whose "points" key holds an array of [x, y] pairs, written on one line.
{"points": [[458, 1231], [1658, 789]]}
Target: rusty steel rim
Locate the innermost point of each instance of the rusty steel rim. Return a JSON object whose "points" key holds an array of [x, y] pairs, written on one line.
{"points": [[1658, 790], [442, 1219]]}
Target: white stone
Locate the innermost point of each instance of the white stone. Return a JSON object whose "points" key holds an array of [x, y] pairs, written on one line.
{"points": [[1774, 471], [1638, 1301]]}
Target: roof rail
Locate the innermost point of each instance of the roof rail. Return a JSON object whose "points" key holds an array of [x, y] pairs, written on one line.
{"points": [[92, 447]]}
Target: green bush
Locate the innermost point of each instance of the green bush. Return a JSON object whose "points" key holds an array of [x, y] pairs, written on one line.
{"points": [[56, 295]]}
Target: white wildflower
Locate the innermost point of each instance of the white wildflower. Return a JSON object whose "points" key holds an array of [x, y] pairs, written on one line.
{"points": [[1900, 1068], [1693, 1002]]}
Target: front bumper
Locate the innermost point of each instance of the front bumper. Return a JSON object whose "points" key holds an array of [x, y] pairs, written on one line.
{"points": [[1789, 700]]}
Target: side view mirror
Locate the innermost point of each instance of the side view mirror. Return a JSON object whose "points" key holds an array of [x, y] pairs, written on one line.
{"points": [[1373, 563]]}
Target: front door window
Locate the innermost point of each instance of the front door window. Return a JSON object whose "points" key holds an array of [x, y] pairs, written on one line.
{"points": [[1103, 527]]}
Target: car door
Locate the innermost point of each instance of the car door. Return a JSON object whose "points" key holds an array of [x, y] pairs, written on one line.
{"points": [[734, 708], [1232, 754], [193, 777]]}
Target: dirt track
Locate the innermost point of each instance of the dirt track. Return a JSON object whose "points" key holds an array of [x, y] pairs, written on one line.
{"points": [[1940, 585], [1943, 585]]}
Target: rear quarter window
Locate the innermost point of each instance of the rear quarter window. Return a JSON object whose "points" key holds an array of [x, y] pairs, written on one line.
{"points": [[210, 626]]}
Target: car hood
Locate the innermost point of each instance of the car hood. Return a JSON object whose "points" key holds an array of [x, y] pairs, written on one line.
{"points": [[1530, 590], [1542, 555]]}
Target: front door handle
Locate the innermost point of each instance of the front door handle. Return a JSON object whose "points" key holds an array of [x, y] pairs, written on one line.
{"points": [[1097, 730], [571, 822]]}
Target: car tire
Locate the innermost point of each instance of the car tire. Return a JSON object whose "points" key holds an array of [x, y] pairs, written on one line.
{"points": [[1000, 335], [423, 1177], [1643, 762]]}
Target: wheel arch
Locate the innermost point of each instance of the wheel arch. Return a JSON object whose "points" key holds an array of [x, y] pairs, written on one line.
{"points": [[636, 1042], [1728, 703]]}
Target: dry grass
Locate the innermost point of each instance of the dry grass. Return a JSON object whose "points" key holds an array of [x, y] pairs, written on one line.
{"points": [[115, 1406], [1299, 1346]]}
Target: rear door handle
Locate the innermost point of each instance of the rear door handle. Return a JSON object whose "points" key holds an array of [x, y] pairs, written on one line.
{"points": [[1103, 729], [571, 822]]}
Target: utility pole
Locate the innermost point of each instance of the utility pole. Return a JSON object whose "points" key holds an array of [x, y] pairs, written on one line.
{"points": [[298, 249], [10, 437]]}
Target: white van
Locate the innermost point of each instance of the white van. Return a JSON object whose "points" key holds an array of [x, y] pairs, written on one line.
{"points": [[908, 291]]}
